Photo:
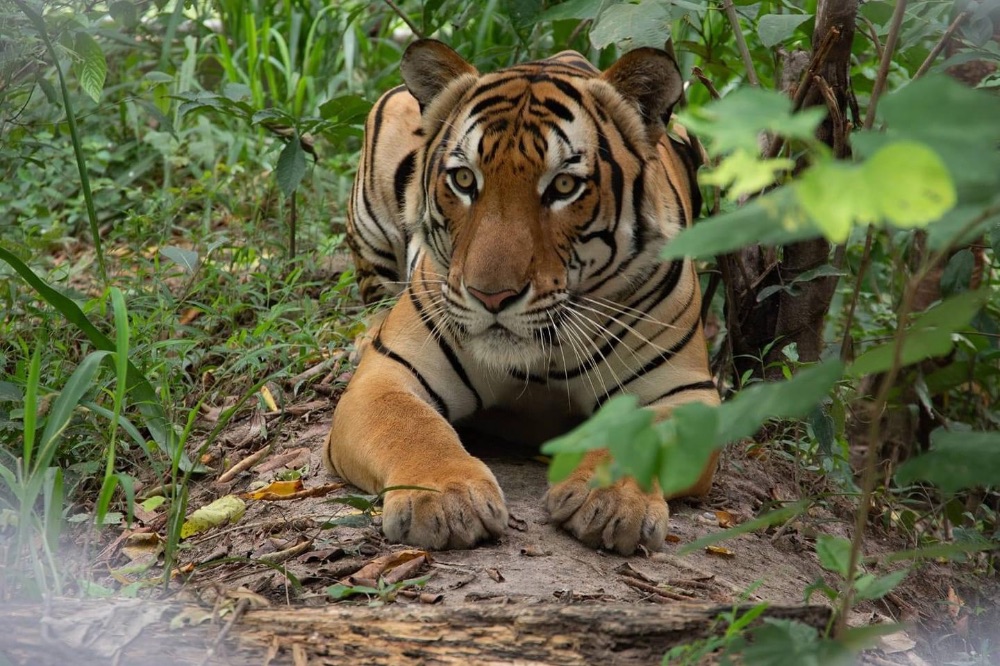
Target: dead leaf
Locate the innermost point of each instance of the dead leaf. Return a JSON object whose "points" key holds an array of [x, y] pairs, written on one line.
{"points": [[275, 490], [896, 642], [141, 547], [672, 538], [405, 571], [225, 510], [318, 491], [955, 603], [252, 598], [244, 464], [290, 459], [189, 316], [725, 519], [191, 616], [430, 597], [495, 575], [380, 565], [535, 551], [719, 551]]}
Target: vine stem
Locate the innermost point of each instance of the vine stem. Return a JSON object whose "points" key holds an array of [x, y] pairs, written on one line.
{"points": [[741, 42], [881, 399], [883, 66]]}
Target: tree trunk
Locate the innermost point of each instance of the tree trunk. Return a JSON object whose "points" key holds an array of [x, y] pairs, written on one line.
{"points": [[89, 633], [759, 331]]}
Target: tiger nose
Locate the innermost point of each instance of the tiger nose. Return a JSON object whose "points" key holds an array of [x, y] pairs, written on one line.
{"points": [[495, 301]]}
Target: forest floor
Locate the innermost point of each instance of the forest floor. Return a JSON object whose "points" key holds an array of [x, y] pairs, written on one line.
{"points": [[947, 610]]}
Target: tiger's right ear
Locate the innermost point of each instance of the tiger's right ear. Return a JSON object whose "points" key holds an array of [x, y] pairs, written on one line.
{"points": [[428, 66]]}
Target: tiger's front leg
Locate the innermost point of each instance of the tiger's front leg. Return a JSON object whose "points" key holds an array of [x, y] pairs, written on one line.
{"points": [[387, 431]]}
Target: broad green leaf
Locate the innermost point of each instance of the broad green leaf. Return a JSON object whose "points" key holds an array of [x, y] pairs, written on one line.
{"points": [[834, 553], [10, 392], [957, 460], [693, 429], [124, 13], [795, 398], [785, 642], [994, 237], [776, 28], [629, 26], [736, 120], [903, 183], [869, 587], [929, 335], [966, 144], [776, 517], [910, 183], [90, 65], [523, 13], [572, 9], [965, 223], [225, 510], [347, 109], [772, 219], [741, 173], [291, 166], [186, 259]]}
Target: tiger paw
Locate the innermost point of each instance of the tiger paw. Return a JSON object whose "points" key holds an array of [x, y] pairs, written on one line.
{"points": [[458, 514], [618, 518]]}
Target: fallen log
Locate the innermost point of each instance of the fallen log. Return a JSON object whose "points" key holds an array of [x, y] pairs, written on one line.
{"points": [[91, 632]]}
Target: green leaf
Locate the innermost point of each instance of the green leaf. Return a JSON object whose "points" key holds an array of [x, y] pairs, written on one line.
{"points": [[994, 237], [903, 183], [776, 28], [186, 259], [346, 109], [743, 173], [90, 65], [79, 383], [631, 25], [145, 397], [834, 553], [124, 13], [957, 274], [772, 219], [523, 13], [339, 591], [776, 517], [785, 642], [692, 436], [736, 120], [929, 335], [869, 587], [291, 166], [573, 9], [957, 460]]}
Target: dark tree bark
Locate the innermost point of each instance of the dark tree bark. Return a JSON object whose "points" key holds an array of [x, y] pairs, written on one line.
{"points": [[754, 327]]}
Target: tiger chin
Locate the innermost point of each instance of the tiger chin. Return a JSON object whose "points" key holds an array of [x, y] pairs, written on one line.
{"points": [[518, 218]]}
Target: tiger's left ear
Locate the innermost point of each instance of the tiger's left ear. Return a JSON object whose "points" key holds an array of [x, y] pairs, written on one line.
{"points": [[428, 66], [649, 78]]}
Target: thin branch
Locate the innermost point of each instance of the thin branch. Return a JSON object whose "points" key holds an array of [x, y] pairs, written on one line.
{"points": [[873, 35], [936, 51], [866, 256], [580, 27], [406, 19], [700, 75], [883, 67], [836, 117], [741, 43]]}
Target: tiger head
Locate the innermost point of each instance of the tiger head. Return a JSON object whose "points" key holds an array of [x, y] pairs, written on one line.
{"points": [[539, 188]]}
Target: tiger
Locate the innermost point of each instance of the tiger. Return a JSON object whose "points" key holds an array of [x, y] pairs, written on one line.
{"points": [[518, 217]]}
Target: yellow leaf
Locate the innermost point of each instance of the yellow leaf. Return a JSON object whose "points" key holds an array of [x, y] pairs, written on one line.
{"points": [[268, 397], [222, 511], [720, 551], [277, 489]]}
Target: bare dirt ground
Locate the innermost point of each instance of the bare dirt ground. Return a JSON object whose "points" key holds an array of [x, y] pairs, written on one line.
{"points": [[949, 609]]}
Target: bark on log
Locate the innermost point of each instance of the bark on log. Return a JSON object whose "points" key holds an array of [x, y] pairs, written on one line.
{"points": [[88, 633]]}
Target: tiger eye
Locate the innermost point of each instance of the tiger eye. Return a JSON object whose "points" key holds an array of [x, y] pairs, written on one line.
{"points": [[463, 178], [564, 184]]}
